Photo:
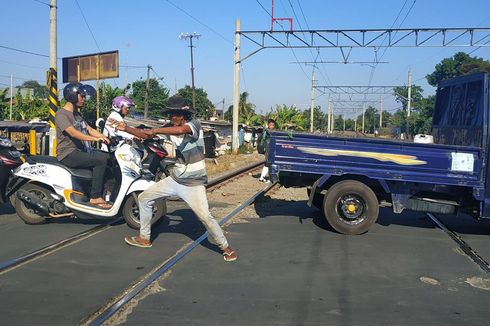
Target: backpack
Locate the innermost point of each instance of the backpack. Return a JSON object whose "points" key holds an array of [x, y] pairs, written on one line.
{"points": [[262, 142]]}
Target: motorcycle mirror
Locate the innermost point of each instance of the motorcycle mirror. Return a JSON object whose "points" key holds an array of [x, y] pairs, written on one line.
{"points": [[100, 123], [87, 90]]}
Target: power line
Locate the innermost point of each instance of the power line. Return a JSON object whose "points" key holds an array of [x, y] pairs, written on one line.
{"points": [[159, 78], [327, 78], [19, 78], [88, 26], [131, 66], [200, 22], [21, 65], [267, 11], [44, 3], [24, 51]]}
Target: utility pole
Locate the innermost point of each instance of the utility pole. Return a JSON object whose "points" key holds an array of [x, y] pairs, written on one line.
{"points": [[11, 94], [380, 111], [53, 75], [147, 91], [409, 104], [190, 37], [363, 114], [236, 88], [328, 114], [313, 84], [332, 116], [409, 101]]}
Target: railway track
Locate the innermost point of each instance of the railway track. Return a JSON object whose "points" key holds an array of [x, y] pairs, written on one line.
{"points": [[107, 311], [463, 245], [11, 264]]}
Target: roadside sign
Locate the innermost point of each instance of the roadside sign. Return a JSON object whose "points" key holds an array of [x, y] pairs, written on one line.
{"points": [[91, 67]]}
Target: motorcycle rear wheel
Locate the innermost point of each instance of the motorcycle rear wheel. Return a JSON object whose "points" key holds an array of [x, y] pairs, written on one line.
{"points": [[28, 214]]}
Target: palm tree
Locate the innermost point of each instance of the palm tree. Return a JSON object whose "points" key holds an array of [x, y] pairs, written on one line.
{"points": [[288, 117]]}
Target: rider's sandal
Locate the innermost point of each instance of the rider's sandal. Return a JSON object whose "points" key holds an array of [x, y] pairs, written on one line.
{"points": [[230, 256], [101, 205]]}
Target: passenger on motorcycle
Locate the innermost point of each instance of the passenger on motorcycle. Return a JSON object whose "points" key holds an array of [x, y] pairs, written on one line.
{"points": [[120, 109], [74, 137]]}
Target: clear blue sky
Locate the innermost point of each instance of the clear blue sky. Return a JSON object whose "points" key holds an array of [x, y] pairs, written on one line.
{"points": [[146, 32]]}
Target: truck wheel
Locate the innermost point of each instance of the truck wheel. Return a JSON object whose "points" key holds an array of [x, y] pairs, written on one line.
{"points": [[351, 207], [131, 212], [317, 199], [28, 214]]}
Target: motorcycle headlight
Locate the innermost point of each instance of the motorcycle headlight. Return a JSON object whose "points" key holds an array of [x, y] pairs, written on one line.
{"points": [[5, 142], [136, 157]]}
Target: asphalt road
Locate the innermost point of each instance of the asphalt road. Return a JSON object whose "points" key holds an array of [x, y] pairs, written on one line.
{"points": [[293, 269]]}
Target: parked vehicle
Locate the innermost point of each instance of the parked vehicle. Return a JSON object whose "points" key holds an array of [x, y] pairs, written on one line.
{"points": [[10, 158], [350, 178], [45, 188]]}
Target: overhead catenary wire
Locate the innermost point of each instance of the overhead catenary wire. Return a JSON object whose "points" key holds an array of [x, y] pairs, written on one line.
{"points": [[325, 76], [200, 22]]}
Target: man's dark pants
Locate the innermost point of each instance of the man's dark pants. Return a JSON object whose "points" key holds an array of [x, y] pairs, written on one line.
{"points": [[95, 161]]}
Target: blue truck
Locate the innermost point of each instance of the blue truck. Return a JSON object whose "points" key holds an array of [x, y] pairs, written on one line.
{"points": [[349, 179]]}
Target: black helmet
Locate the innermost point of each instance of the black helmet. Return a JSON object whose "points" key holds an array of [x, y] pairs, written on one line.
{"points": [[179, 104], [71, 90]]}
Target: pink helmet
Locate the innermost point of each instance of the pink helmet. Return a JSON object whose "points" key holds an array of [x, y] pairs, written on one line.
{"points": [[120, 101]]}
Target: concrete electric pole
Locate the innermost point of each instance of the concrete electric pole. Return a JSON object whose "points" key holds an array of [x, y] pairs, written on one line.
{"points": [[312, 109], [185, 36], [236, 88], [53, 75], [147, 91]]}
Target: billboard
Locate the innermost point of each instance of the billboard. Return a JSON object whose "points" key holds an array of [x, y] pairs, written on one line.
{"points": [[91, 67]]}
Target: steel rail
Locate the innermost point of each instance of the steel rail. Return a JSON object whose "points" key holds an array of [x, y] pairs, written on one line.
{"points": [[477, 259], [103, 314], [11, 264]]}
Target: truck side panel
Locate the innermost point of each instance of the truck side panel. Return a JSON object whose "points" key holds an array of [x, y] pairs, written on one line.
{"points": [[376, 158]]}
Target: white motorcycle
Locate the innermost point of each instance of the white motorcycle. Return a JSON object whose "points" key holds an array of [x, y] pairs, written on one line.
{"points": [[44, 188]]}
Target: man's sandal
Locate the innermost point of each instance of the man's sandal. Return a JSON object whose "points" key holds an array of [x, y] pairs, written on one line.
{"points": [[230, 256]]}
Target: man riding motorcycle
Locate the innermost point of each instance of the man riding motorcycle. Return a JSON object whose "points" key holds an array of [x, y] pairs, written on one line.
{"points": [[74, 137]]}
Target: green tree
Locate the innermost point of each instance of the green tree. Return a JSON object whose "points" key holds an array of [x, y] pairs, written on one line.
{"points": [[106, 95], [320, 119], [203, 105], [287, 117], [4, 104], [39, 90], [246, 112], [459, 64], [157, 97], [28, 107]]}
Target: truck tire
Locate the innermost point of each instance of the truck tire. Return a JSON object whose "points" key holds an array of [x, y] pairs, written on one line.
{"points": [[351, 207], [131, 214], [28, 214], [317, 199]]}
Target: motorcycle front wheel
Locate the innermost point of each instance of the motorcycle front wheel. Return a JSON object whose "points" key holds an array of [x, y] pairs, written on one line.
{"points": [[131, 212]]}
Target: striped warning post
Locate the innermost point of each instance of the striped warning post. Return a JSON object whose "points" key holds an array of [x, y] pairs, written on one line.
{"points": [[52, 81], [53, 95]]}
